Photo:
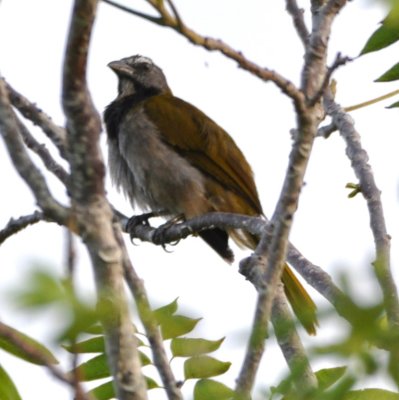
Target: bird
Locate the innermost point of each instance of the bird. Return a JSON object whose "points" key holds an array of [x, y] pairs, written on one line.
{"points": [[168, 156]]}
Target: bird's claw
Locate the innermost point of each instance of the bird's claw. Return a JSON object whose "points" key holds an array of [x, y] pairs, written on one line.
{"points": [[136, 220], [159, 236]]}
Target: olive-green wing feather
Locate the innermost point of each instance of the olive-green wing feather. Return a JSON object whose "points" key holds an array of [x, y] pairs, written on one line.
{"points": [[205, 144]]}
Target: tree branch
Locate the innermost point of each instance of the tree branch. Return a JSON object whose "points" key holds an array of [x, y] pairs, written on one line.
{"points": [[30, 111], [313, 73], [16, 225], [175, 22], [314, 275], [298, 21], [26, 168], [44, 154], [150, 324], [290, 344], [92, 210], [359, 161]]}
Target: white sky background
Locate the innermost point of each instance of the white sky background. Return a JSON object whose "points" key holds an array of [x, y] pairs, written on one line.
{"points": [[331, 230]]}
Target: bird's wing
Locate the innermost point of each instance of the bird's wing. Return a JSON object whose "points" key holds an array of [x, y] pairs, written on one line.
{"points": [[205, 144]]}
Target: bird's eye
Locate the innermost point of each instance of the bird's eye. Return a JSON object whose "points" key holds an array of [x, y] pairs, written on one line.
{"points": [[142, 67]]}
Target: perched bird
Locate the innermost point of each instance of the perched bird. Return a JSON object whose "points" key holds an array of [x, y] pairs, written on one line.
{"points": [[167, 155]]}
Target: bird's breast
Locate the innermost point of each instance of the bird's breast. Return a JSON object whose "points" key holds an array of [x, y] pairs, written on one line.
{"points": [[151, 173]]}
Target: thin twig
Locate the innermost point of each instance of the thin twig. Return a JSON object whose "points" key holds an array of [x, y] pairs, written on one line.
{"points": [[16, 225], [30, 111], [150, 324], [176, 13], [339, 61], [44, 154], [9, 128], [211, 44], [372, 101], [134, 12]]}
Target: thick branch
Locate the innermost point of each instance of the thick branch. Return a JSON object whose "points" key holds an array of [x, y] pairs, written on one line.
{"points": [[316, 55], [93, 211], [83, 120]]}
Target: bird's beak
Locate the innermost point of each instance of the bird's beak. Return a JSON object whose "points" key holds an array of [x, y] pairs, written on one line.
{"points": [[120, 67]]}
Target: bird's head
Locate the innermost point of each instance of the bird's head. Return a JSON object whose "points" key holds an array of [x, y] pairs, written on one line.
{"points": [[138, 74]]}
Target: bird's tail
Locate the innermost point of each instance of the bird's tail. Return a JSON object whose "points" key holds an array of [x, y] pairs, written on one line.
{"points": [[302, 304]]}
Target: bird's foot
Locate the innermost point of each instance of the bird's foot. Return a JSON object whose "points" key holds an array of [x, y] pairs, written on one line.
{"points": [[137, 220], [160, 234]]}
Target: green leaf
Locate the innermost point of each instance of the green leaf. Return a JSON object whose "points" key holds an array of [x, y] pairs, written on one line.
{"points": [[95, 329], [93, 345], [177, 325], [103, 392], [97, 367], [328, 376], [386, 34], [8, 390], [106, 390], [394, 105], [391, 75], [371, 394], [208, 389], [28, 343], [187, 347], [166, 311], [43, 289], [204, 367]]}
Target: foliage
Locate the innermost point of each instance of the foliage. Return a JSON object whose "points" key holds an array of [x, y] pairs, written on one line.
{"points": [[386, 35]]}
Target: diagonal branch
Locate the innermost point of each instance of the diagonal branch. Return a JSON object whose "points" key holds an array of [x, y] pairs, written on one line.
{"points": [[174, 21], [10, 130], [16, 225], [298, 20], [30, 111], [150, 324], [359, 160], [291, 346], [313, 274], [44, 154]]}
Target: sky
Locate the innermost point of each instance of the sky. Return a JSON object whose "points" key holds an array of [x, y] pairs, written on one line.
{"points": [[330, 230]]}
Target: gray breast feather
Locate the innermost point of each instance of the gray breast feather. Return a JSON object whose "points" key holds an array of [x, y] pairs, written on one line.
{"points": [[150, 173]]}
